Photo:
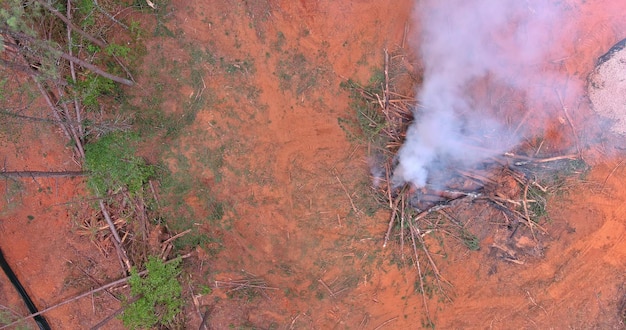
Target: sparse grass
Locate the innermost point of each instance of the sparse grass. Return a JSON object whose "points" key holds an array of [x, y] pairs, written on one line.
{"points": [[470, 240], [7, 316], [13, 190], [280, 42], [178, 186], [368, 125], [537, 207], [236, 66], [212, 159], [366, 198], [296, 74]]}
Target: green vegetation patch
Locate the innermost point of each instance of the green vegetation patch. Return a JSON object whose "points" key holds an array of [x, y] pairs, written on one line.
{"points": [[296, 74], [113, 164], [159, 295], [92, 87]]}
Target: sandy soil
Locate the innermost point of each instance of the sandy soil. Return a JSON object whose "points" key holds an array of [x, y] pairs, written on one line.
{"points": [[297, 190], [606, 85]]}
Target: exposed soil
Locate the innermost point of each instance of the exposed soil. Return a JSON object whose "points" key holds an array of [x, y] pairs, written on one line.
{"points": [[299, 211], [39, 219]]}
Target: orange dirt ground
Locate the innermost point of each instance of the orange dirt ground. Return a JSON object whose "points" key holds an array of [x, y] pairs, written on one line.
{"points": [[297, 216]]}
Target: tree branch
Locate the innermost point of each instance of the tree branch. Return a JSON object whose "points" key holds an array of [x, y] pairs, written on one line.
{"points": [[117, 241], [77, 107], [74, 59], [76, 29], [96, 69]]}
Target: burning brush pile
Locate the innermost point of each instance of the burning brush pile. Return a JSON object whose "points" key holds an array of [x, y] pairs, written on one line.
{"points": [[510, 188], [456, 143], [492, 199]]}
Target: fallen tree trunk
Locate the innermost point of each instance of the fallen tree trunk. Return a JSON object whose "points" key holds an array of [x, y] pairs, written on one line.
{"points": [[42, 174]]}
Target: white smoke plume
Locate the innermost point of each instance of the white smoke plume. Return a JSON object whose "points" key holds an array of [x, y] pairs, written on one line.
{"points": [[464, 42]]}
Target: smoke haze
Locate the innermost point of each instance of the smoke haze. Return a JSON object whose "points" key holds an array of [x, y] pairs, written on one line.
{"points": [[464, 43]]}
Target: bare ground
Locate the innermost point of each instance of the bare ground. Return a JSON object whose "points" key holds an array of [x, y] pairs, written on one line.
{"points": [[298, 209]]}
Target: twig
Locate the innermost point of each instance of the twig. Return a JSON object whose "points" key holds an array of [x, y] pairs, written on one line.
{"points": [[364, 321], [72, 69], [526, 214], [430, 259], [356, 212], [405, 34], [332, 294], [142, 221], [123, 66], [77, 138], [35, 119], [117, 241], [196, 303], [156, 197], [95, 69], [241, 284], [68, 57], [388, 181], [10, 311], [610, 174], [419, 273], [394, 211], [205, 319], [541, 160], [386, 87], [403, 98], [516, 213], [386, 322], [93, 279], [176, 236], [71, 25], [115, 314], [107, 14], [52, 107], [166, 251], [571, 123], [402, 229], [15, 66], [479, 178], [294, 321]]}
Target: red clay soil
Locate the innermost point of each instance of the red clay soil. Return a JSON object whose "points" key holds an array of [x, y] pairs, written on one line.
{"points": [[299, 218], [39, 219]]}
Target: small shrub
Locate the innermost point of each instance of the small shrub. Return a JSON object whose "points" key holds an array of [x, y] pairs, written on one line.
{"points": [[160, 295], [112, 164], [92, 87], [470, 240], [117, 50], [85, 9]]}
